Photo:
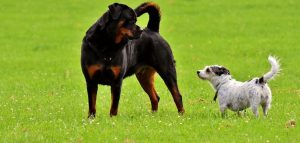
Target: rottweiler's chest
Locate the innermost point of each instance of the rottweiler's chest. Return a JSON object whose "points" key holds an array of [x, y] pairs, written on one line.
{"points": [[104, 74]]}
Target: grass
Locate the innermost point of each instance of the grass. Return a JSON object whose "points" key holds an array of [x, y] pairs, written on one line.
{"points": [[42, 89]]}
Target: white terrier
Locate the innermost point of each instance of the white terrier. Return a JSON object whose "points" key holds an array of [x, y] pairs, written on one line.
{"points": [[237, 95]]}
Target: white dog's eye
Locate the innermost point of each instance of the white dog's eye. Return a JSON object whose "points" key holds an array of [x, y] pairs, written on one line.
{"points": [[207, 70]]}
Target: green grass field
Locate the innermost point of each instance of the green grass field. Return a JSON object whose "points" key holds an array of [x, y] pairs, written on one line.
{"points": [[42, 90]]}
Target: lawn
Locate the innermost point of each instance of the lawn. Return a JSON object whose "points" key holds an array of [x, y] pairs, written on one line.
{"points": [[42, 90]]}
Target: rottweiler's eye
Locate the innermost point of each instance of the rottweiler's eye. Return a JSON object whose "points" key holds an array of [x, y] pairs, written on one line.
{"points": [[127, 23], [207, 70], [130, 22]]}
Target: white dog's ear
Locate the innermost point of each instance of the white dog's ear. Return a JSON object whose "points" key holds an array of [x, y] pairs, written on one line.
{"points": [[225, 71], [220, 70]]}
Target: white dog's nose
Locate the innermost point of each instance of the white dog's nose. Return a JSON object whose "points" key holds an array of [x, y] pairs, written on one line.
{"points": [[198, 72]]}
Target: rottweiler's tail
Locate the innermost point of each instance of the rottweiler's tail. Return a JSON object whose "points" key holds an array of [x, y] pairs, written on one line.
{"points": [[154, 14]]}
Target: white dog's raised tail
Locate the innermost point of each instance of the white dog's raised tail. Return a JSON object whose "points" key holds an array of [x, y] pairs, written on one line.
{"points": [[274, 70]]}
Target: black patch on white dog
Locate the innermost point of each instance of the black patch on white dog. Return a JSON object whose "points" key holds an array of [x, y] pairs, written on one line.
{"points": [[261, 80], [220, 70]]}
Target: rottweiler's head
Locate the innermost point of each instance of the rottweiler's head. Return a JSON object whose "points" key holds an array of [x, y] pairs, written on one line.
{"points": [[120, 23]]}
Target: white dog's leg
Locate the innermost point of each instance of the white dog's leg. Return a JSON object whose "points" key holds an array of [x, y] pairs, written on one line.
{"points": [[223, 111], [265, 108], [254, 110], [240, 113]]}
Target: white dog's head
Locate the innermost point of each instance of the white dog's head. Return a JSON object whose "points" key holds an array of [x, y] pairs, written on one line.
{"points": [[212, 71]]}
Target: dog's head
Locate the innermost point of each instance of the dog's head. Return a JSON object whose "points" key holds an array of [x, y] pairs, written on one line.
{"points": [[120, 22], [212, 71]]}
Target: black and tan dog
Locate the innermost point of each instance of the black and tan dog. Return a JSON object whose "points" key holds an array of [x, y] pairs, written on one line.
{"points": [[115, 48]]}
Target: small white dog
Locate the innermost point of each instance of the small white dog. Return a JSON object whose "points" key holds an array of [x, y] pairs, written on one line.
{"points": [[237, 95]]}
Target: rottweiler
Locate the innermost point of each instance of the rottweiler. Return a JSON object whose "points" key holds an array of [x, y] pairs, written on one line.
{"points": [[114, 48]]}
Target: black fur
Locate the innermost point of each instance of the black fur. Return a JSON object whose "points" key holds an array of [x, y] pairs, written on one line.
{"points": [[216, 95], [261, 80], [154, 14], [107, 62], [220, 70]]}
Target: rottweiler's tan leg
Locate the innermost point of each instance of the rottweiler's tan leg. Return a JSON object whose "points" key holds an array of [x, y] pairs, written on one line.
{"points": [[146, 78], [169, 76]]}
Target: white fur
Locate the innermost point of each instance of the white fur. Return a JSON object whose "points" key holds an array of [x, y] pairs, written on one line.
{"points": [[236, 95], [274, 69]]}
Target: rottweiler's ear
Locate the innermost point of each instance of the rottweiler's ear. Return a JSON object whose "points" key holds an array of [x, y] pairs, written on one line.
{"points": [[103, 20], [115, 10]]}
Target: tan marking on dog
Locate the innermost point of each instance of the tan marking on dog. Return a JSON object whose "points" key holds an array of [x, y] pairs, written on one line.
{"points": [[119, 36], [177, 98], [145, 76], [116, 71], [122, 32], [151, 4], [93, 68]]}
